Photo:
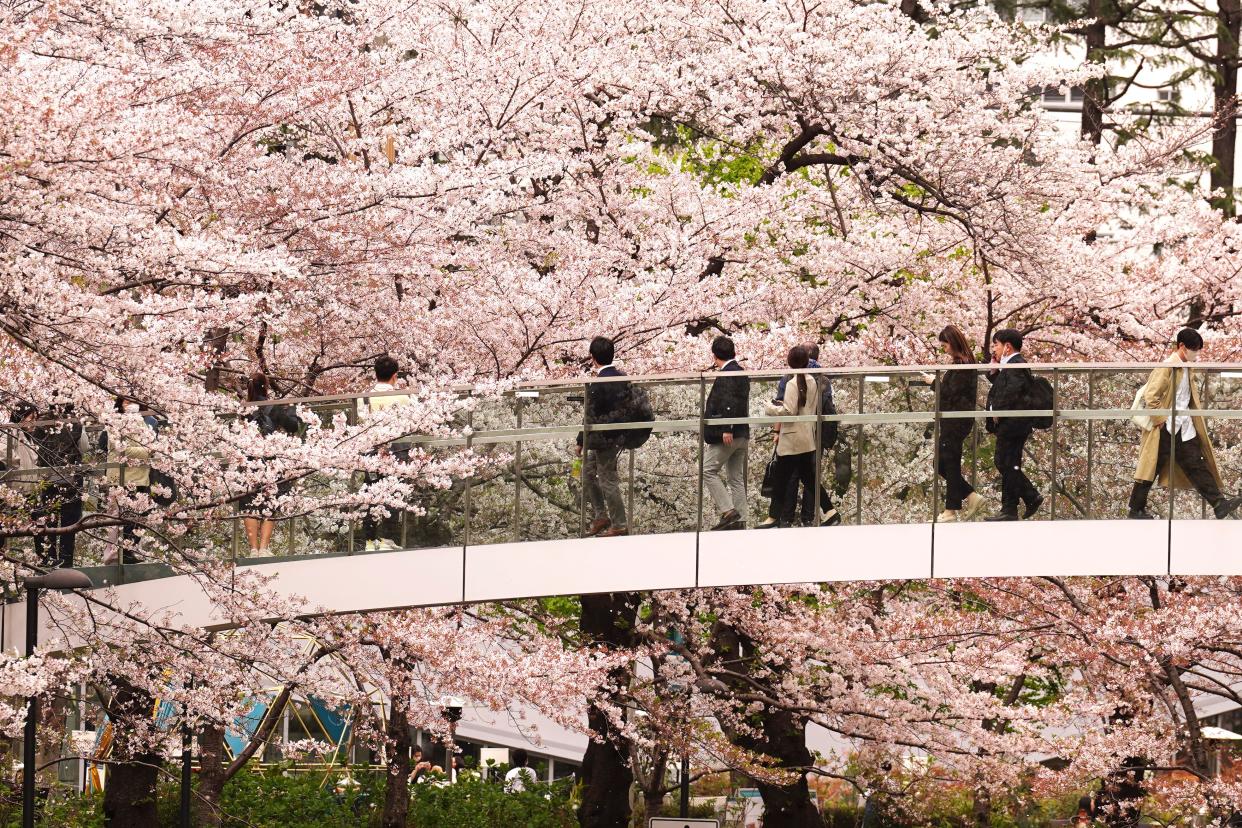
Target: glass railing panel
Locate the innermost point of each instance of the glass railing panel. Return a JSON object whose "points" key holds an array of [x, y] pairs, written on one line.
{"points": [[660, 479], [1221, 396], [892, 450]]}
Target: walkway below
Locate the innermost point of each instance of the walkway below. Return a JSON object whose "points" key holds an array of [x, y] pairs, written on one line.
{"points": [[455, 575]]}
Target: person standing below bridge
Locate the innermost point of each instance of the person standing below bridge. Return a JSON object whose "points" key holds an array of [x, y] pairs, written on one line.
{"points": [[606, 402], [1175, 388], [958, 391], [1010, 390], [724, 463]]}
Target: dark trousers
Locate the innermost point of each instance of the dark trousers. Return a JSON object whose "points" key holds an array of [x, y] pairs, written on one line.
{"points": [[59, 504], [949, 464], [1189, 458], [782, 509], [790, 471], [1015, 485], [374, 528]]}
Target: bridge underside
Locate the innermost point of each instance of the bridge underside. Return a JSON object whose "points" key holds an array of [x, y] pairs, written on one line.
{"points": [[455, 575]]}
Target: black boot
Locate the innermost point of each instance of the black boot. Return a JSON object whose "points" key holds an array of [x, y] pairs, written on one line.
{"points": [[1138, 500]]}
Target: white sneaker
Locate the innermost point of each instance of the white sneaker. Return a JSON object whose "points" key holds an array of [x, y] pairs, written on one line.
{"points": [[974, 503], [947, 516], [386, 545], [372, 546]]}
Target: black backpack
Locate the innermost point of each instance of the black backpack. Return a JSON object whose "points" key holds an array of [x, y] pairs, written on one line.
{"points": [[273, 418], [1039, 396], [639, 411]]}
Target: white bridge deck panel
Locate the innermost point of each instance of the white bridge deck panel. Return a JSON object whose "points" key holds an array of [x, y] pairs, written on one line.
{"points": [[453, 575]]}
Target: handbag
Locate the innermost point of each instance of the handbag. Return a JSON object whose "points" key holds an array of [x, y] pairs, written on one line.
{"points": [[768, 487], [1143, 421]]}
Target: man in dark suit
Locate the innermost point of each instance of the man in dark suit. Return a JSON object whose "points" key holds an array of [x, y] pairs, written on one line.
{"points": [[606, 402], [1009, 391], [724, 458]]}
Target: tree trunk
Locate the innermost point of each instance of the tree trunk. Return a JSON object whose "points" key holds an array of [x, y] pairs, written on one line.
{"points": [[129, 795], [397, 786], [1095, 39], [210, 776], [607, 620], [783, 737], [1225, 99], [652, 804], [216, 341]]}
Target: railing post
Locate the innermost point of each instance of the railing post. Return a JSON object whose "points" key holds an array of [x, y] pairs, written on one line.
{"points": [[1171, 468], [1056, 418], [630, 523], [1090, 442], [819, 445], [517, 474], [465, 530], [937, 385], [858, 474], [698, 526], [582, 518]]}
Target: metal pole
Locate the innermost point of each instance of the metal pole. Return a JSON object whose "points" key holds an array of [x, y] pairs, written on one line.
{"points": [[698, 526], [517, 476], [32, 714], [1090, 440], [858, 473], [187, 757], [629, 497], [685, 786], [937, 383], [1056, 398], [582, 518], [819, 446]]}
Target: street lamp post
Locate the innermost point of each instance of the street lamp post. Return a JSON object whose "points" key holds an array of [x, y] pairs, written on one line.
{"points": [[56, 579], [685, 786]]}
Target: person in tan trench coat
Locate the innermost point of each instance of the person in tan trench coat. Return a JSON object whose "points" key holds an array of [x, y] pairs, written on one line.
{"points": [[1195, 463]]}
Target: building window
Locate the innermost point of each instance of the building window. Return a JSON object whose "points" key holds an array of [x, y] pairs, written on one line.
{"points": [[1168, 94], [1070, 95], [1031, 15]]}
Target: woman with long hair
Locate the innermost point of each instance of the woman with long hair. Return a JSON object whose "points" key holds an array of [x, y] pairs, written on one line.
{"points": [[796, 446], [958, 391]]}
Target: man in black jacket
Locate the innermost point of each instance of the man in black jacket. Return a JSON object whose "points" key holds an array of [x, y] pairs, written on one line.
{"points": [[1009, 391], [59, 501], [606, 402], [726, 444]]}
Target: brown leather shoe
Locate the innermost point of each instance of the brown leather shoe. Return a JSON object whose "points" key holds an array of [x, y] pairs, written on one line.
{"points": [[615, 531], [727, 520], [598, 525]]}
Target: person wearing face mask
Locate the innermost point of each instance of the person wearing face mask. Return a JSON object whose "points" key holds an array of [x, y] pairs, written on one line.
{"points": [[1175, 388]]}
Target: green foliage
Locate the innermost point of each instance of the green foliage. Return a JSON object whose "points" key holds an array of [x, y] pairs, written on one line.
{"points": [[282, 798], [476, 804]]}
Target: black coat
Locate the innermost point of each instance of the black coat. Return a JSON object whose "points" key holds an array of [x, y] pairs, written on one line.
{"points": [[1008, 393], [607, 402], [729, 398], [959, 391]]}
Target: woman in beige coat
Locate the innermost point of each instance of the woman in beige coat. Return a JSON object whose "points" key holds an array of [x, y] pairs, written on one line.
{"points": [[797, 443], [1194, 462]]}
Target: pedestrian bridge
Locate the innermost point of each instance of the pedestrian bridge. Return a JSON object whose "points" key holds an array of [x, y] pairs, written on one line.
{"points": [[889, 497], [507, 571]]}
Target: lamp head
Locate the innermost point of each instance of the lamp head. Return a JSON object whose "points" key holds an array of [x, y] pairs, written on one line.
{"points": [[62, 578]]}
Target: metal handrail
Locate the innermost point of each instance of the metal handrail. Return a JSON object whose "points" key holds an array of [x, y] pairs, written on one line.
{"points": [[920, 410]]}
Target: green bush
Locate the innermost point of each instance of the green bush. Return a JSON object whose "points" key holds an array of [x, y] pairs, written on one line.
{"points": [[473, 803], [281, 798]]}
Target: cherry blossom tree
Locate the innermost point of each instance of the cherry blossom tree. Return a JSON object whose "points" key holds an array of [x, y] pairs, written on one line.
{"points": [[197, 191]]}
